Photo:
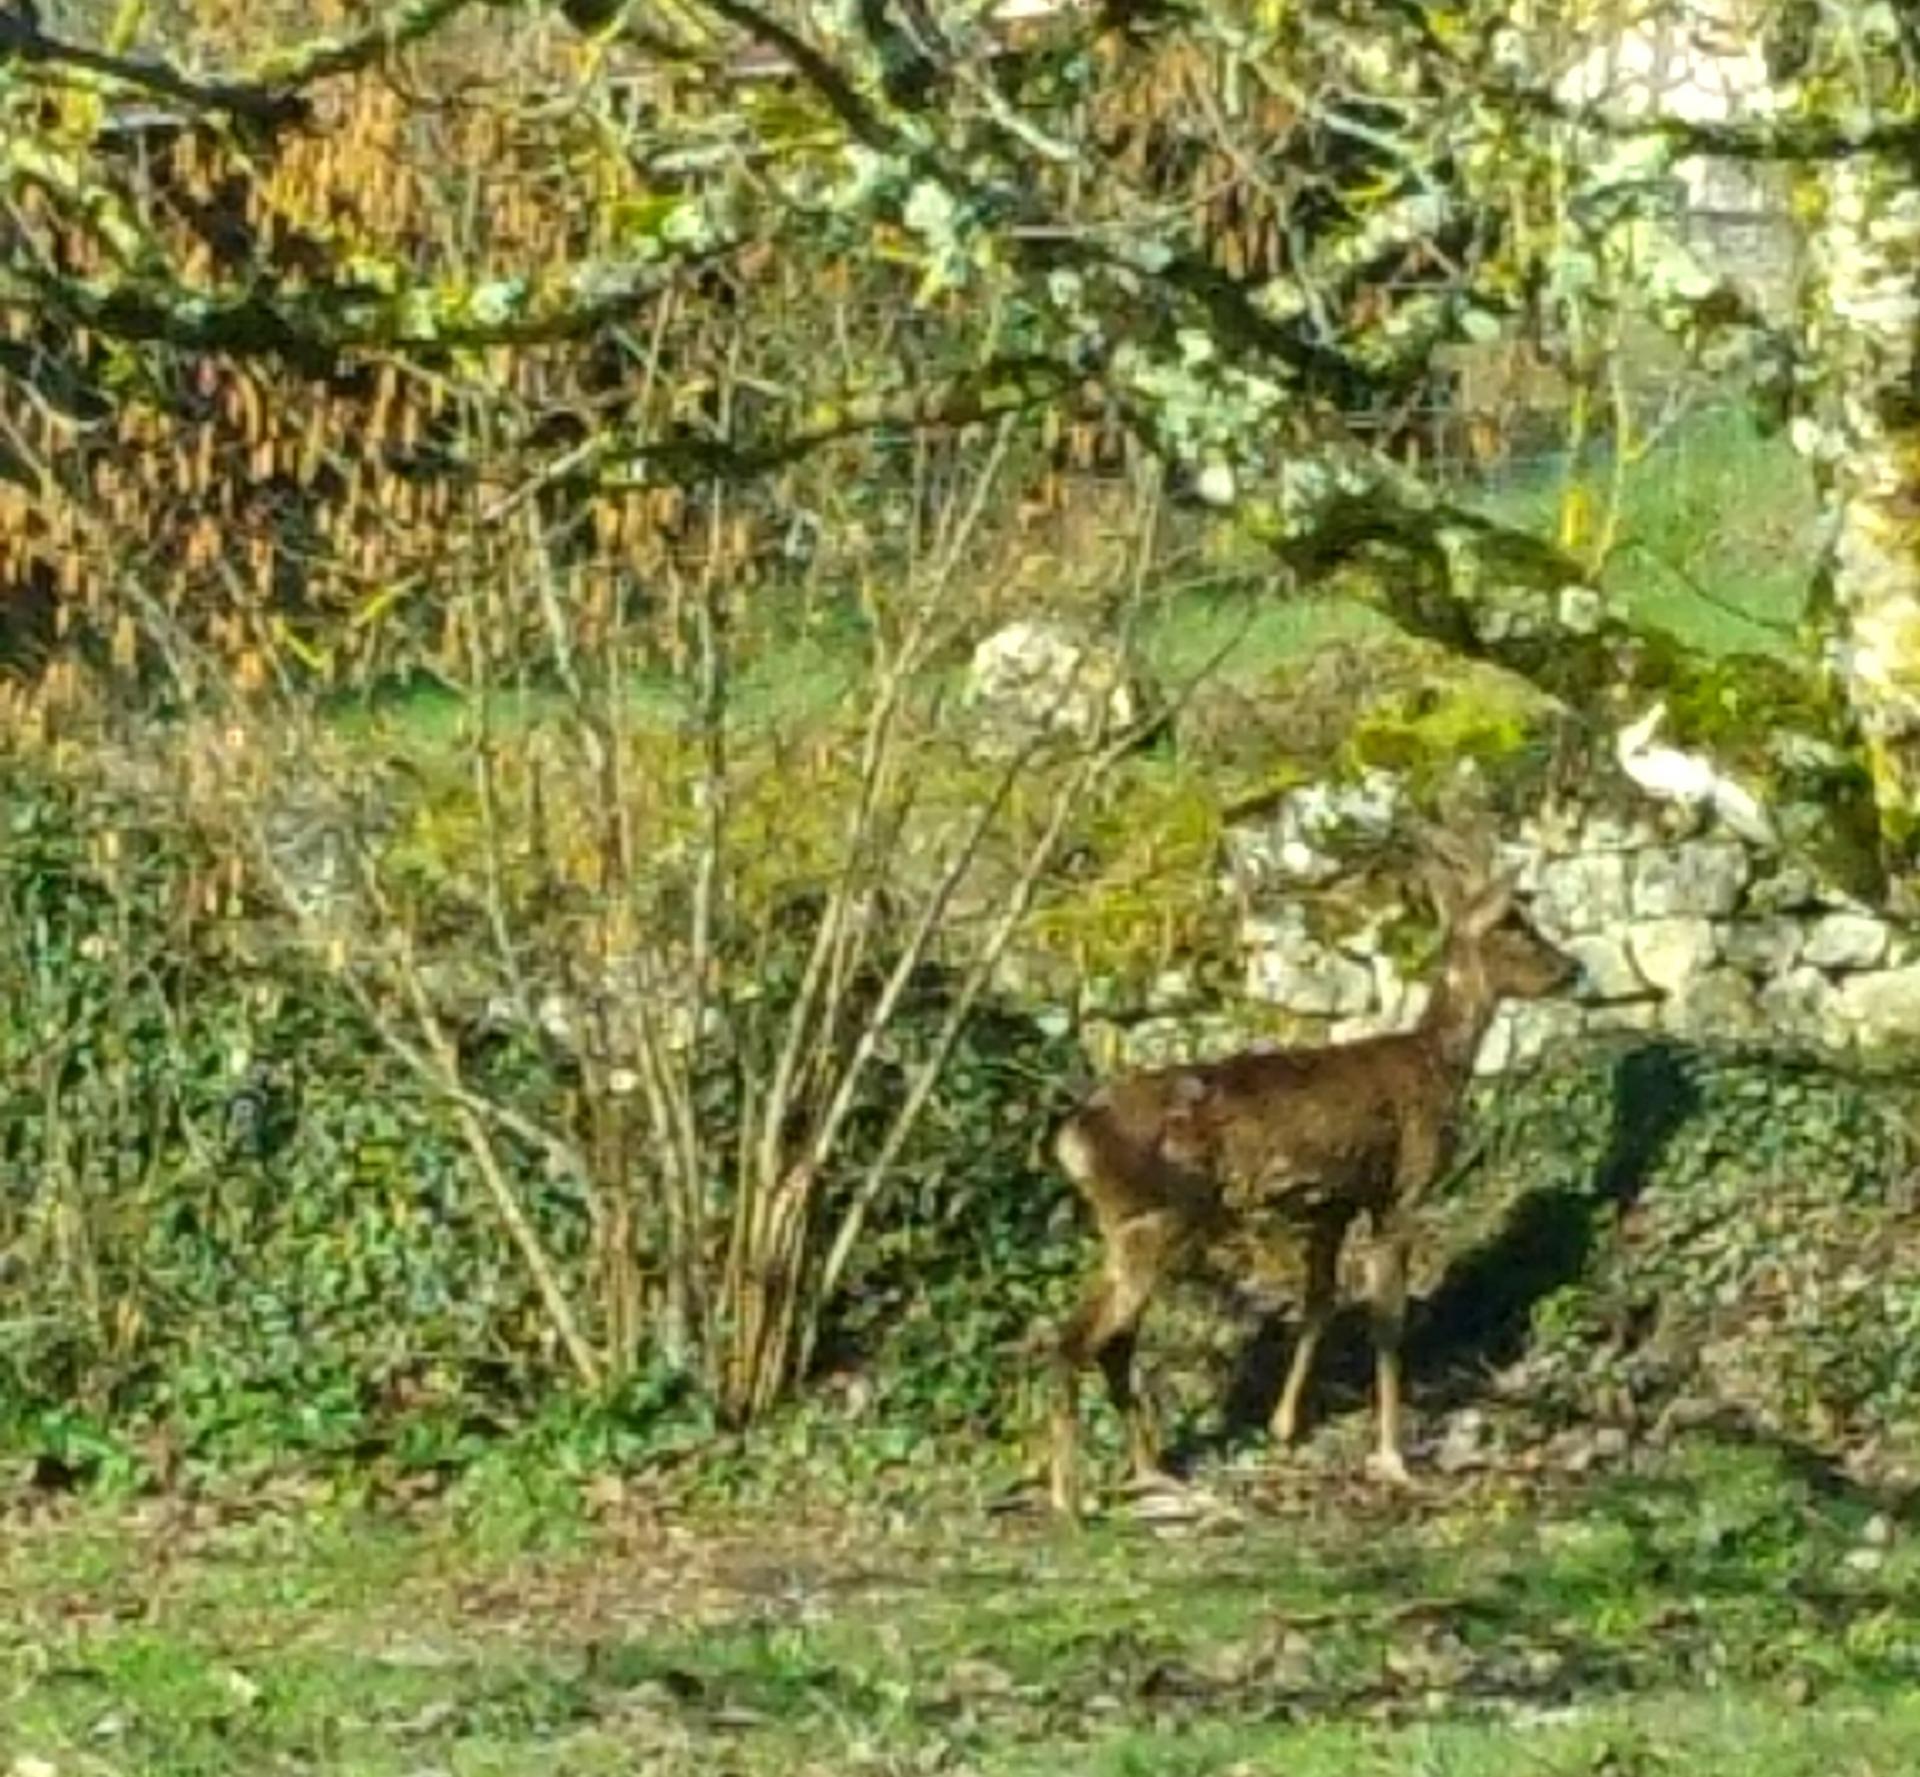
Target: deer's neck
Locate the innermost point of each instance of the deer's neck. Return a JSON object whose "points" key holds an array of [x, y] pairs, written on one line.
{"points": [[1457, 1017]]}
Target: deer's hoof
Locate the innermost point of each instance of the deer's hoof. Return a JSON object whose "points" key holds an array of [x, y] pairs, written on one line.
{"points": [[1389, 1468], [1151, 1477]]}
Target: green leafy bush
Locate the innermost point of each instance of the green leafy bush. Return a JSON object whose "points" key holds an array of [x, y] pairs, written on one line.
{"points": [[230, 1211], [1752, 1242], [225, 1207], [979, 1243]]}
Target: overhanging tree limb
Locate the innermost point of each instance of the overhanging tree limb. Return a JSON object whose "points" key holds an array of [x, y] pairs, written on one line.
{"points": [[617, 457], [24, 44], [310, 327], [1807, 138], [863, 119], [269, 93]]}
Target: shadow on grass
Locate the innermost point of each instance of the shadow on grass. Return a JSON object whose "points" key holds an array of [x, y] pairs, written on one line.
{"points": [[1478, 1318]]}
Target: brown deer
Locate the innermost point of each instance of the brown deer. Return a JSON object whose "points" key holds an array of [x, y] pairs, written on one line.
{"points": [[1179, 1163]]}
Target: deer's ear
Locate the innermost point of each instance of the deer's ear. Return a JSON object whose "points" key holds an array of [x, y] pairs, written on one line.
{"points": [[1489, 905], [1442, 890]]}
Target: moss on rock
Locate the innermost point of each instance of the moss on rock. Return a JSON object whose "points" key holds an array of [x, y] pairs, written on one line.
{"points": [[1389, 700], [1476, 715], [1141, 892], [1780, 728]]}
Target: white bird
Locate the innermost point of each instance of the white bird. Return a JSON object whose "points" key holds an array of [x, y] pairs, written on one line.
{"points": [[1673, 776]]}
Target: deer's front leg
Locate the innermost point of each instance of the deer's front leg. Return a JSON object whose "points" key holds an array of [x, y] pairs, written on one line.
{"points": [[1387, 1304], [1417, 1165]]}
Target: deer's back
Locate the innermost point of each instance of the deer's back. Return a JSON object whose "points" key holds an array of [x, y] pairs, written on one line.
{"points": [[1282, 1132]]}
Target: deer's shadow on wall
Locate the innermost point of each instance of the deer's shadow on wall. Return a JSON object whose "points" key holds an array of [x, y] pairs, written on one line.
{"points": [[1478, 1317]]}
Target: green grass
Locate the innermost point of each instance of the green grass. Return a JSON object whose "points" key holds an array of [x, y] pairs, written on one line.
{"points": [[1716, 543], [1717, 539], [1714, 1612], [1249, 638]]}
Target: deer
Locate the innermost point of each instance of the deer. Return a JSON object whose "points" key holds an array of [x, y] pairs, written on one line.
{"points": [[1178, 1164]]}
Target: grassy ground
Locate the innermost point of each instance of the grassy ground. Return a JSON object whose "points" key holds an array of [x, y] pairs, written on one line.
{"points": [[1712, 1610]]}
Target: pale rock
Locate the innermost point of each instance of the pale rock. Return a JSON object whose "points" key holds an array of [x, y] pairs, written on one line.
{"points": [[1356, 1029], [1273, 931], [1670, 952], [1170, 990], [1216, 484], [1313, 827], [1610, 832], [1882, 1008], [1363, 943], [1607, 972], [1582, 894], [1167, 1041], [1767, 946], [1411, 1006], [1718, 1003], [1698, 876], [1803, 1003], [1791, 888], [1333, 817], [1464, 1445], [1496, 1047], [1400, 1001], [1552, 830], [1624, 1016], [1287, 966], [1332, 986], [1523, 1031], [1032, 678], [1610, 1442], [1581, 610], [555, 1015], [1156, 1042], [1031, 976], [1846, 941], [1543, 1027], [1293, 858]]}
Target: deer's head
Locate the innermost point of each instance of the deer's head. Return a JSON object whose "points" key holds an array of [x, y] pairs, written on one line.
{"points": [[1492, 951]]}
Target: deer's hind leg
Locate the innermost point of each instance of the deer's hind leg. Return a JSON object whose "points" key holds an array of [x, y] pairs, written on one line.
{"points": [[1324, 1240], [1105, 1330]]}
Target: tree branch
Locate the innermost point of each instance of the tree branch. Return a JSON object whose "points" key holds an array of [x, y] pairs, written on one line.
{"points": [[269, 94], [1805, 139], [24, 43], [611, 458], [312, 327], [820, 72]]}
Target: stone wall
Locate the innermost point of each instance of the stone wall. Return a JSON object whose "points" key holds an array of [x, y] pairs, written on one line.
{"points": [[1681, 927]]}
